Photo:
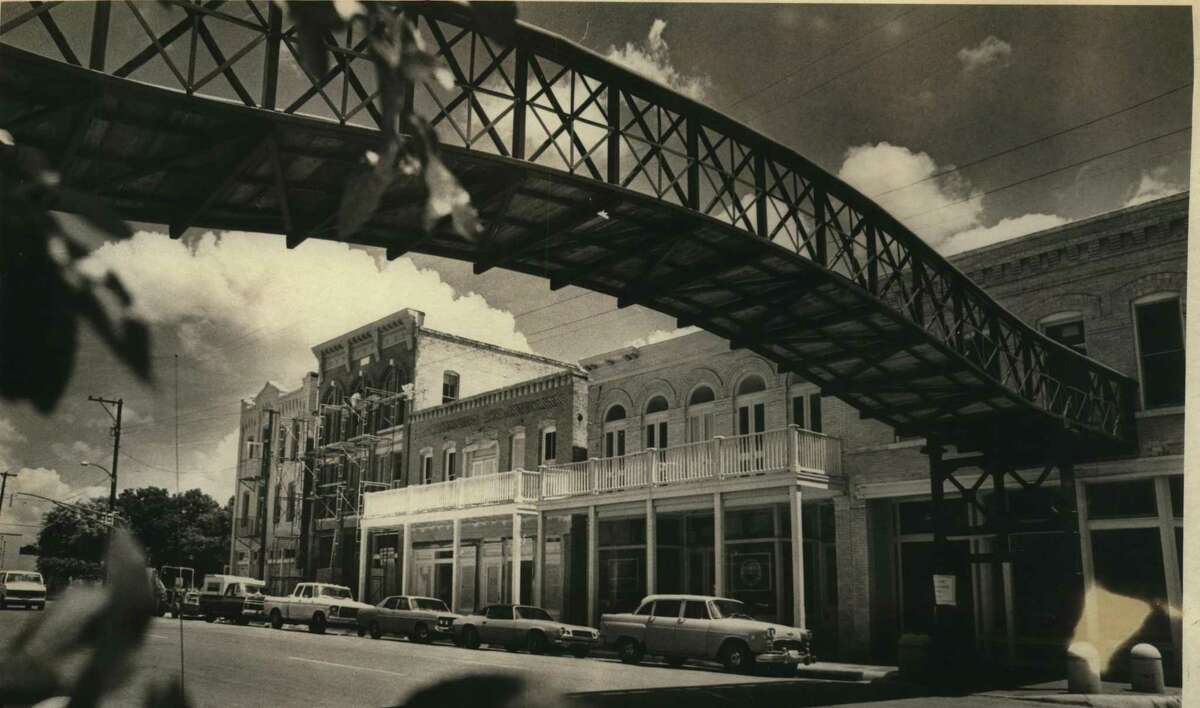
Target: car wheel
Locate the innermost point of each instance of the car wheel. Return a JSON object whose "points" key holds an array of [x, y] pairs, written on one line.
{"points": [[675, 661], [241, 620], [41, 607], [317, 624], [581, 653], [362, 631], [210, 618], [470, 638], [736, 657], [536, 643], [630, 651], [420, 633], [376, 631], [276, 620]]}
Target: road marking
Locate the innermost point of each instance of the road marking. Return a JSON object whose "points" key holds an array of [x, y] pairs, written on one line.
{"points": [[158, 636], [346, 666]]}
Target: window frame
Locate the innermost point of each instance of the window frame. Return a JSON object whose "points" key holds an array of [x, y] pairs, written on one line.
{"points": [[451, 380], [1153, 299]]}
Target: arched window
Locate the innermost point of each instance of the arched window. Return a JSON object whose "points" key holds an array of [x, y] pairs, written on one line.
{"points": [[656, 423], [751, 405], [700, 414], [614, 431]]}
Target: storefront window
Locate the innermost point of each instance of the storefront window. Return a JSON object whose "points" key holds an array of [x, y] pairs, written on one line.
{"points": [[1110, 500], [753, 523], [622, 532], [917, 516]]}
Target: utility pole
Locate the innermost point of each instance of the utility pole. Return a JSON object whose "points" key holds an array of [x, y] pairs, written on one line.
{"points": [[4, 484], [116, 433], [267, 438]]}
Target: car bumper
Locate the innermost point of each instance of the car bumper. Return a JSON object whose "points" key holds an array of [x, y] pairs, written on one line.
{"points": [[574, 642], [26, 601], [341, 621], [787, 658]]}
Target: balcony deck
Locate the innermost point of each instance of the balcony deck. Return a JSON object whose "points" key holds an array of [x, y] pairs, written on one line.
{"points": [[789, 454]]}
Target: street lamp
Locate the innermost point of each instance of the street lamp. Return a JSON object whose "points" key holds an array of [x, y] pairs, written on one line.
{"points": [[112, 494]]}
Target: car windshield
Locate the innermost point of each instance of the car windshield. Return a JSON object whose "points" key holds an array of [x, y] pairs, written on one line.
{"points": [[428, 603], [534, 613], [24, 578], [254, 589], [729, 608], [334, 591]]}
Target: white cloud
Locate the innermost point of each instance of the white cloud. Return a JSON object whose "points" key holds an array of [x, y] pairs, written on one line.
{"points": [[246, 295], [661, 335], [1153, 185], [933, 207], [210, 470], [79, 451], [651, 58], [25, 513], [991, 50], [1002, 230], [9, 437]]}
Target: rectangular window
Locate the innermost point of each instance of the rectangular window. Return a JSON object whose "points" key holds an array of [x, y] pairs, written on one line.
{"points": [[814, 413], [449, 469], [291, 501], [700, 427], [1114, 500], [449, 387], [516, 451], [427, 469], [799, 411], [1069, 333], [666, 608], [1160, 346], [549, 452], [614, 443]]}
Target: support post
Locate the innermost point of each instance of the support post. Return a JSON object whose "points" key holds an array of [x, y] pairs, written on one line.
{"points": [[651, 548], [718, 545], [99, 35], [405, 559], [539, 558], [593, 563], [270, 81], [516, 558], [364, 552], [796, 524], [455, 564]]}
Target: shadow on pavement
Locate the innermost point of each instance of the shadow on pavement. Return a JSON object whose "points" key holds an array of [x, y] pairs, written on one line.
{"points": [[772, 693]]}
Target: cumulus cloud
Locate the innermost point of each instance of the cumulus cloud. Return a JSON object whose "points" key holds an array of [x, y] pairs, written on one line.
{"points": [[25, 513], [210, 470], [651, 58], [991, 51], [1152, 185], [9, 437], [79, 451], [1002, 230], [661, 335], [247, 294], [934, 207]]}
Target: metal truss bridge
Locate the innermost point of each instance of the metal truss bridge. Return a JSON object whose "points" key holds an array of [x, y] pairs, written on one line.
{"points": [[584, 173]]}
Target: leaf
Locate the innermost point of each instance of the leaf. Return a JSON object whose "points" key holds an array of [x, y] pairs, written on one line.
{"points": [[447, 198], [361, 198], [312, 20]]}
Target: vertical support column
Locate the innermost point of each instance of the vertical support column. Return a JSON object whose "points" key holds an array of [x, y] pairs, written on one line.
{"points": [[539, 559], [455, 563], [519, 103], [99, 35], [364, 552], [1001, 564], [1166, 529], [796, 522], [693, 170], [651, 548], [718, 545], [760, 188], [872, 261], [780, 591], [593, 563], [1091, 613], [614, 134], [516, 558], [270, 79], [818, 199], [405, 559]]}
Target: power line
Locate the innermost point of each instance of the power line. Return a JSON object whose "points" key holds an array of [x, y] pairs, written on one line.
{"points": [[1050, 172], [856, 67], [1031, 143], [806, 65]]}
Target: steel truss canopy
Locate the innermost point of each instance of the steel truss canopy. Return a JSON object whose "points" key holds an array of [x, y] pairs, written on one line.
{"points": [[584, 173]]}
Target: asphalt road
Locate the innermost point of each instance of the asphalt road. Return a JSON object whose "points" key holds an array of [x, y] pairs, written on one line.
{"points": [[227, 666]]}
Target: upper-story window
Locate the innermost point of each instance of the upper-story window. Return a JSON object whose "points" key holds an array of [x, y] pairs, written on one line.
{"points": [[245, 506], [449, 386], [516, 449], [291, 501], [614, 431], [548, 449], [365, 361], [656, 422], [481, 460], [806, 409], [277, 506], [1066, 328], [449, 463], [250, 447], [1158, 321], [751, 405], [700, 414], [427, 467]]}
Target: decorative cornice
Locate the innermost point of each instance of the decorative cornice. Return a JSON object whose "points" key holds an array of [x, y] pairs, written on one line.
{"points": [[489, 398]]}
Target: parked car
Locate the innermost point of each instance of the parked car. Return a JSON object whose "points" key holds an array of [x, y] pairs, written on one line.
{"points": [[232, 597], [316, 605], [421, 619], [22, 587], [682, 627], [522, 626], [181, 598]]}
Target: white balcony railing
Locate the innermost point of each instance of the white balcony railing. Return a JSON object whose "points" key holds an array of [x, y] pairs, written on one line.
{"points": [[790, 449], [516, 486]]}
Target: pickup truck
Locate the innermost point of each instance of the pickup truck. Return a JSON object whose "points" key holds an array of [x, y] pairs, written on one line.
{"points": [[231, 597], [316, 605], [421, 619], [21, 587], [682, 627]]}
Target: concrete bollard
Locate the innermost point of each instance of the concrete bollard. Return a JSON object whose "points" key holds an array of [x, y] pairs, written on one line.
{"points": [[1146, 669], [1083, 668]]}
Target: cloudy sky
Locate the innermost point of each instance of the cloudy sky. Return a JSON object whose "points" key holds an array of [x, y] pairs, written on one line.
{"points": [[970, 124]]}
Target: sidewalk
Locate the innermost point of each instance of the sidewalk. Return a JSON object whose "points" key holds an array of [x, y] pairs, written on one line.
{"points": [[1116, 695]]}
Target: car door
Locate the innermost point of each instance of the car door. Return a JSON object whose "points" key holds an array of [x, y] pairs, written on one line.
{"points": [[231, 600], [302, 607], [497, 625], [401, 614], [660, 628], [691, 630]]}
